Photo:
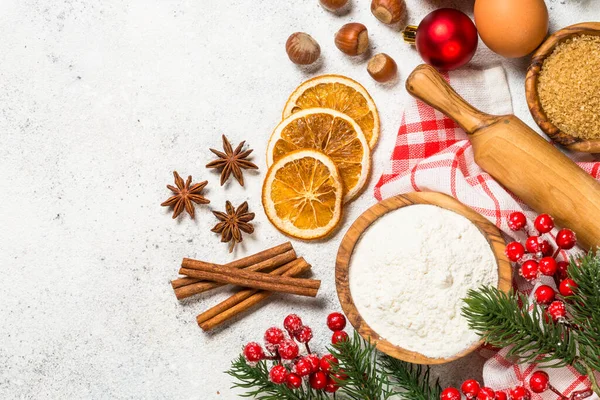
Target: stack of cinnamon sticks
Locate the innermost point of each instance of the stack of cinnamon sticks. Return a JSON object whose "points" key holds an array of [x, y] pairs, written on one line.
{"points": [[269, 271]]}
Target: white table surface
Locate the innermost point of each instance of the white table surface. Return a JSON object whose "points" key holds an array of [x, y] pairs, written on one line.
{"points": [[99, 102]]}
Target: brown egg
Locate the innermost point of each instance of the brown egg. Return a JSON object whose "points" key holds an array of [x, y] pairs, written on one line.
{"points": [[511, 28]]}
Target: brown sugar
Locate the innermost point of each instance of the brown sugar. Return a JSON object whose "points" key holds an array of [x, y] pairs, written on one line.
{"points": [[569, 86]]}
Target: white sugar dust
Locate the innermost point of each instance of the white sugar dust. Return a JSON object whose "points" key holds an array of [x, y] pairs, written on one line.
{"points": [[409, 273]]}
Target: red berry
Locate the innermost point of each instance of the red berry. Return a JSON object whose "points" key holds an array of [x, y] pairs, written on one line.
{"points": [[562, 270], [318, 380], [566, 239], [292, 323], [544, 294], [253, 352], [514, 251], [485, 393], [450, 394], [336, 321], [516, 220], [567, 287], [544, 223], [304, 334], [273, 336], [501, 396], [340, 375], [314, 362], [539, 382], [470, 388], [529, 270], [288, 349], [339, 336], [331, 386], [303, 367], [327, 362], [520, 393], [557, 310], [293, 381], [277, 374], [533, 244], [548, 266]]}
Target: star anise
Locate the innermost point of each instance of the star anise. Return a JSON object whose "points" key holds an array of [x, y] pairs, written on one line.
{"points": [[185, 193], [232, 161], [233, 223]]}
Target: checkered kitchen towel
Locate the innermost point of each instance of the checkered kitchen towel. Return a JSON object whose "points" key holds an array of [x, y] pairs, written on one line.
{"points": [[433, 154]]}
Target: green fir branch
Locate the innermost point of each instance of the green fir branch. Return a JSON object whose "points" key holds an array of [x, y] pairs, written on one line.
{"points": [[584, 307], [415, 384], [504, 320], [358, 360], [255, 381]]}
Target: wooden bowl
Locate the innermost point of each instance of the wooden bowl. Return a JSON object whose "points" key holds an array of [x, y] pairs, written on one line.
{"points": [[491, 233], [531, 88]]}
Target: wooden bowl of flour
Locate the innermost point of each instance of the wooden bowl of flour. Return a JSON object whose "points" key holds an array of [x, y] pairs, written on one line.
{"points": [[363, 223]]}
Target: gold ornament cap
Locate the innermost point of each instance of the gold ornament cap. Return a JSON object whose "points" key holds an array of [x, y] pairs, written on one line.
{"points": [[410, 34]]}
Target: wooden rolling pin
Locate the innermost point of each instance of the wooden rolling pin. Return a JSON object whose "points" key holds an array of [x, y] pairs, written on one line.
{"points": [[521, 160]]}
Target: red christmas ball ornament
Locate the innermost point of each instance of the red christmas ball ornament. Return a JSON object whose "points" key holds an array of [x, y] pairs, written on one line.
{"points": [[544, 294], [566, 239], [450, 394], [446, 38]]}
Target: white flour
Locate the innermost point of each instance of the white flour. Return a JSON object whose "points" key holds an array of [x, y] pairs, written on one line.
{"points": [[409, 273]]}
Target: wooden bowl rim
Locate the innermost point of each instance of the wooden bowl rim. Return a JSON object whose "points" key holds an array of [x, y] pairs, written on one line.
{"points": [[531, 88], [374, 213]]}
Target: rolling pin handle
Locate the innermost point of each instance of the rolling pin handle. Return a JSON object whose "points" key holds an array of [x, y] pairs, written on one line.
{"points": [[426, 84]]}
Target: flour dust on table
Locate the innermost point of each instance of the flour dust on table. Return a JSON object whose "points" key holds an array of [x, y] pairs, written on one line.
{"points": [[409, 273]]}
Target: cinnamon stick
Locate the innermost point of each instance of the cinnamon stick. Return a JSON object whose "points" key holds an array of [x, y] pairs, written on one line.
{"points": [[297, 264], [186, 287], [243, 262], [255, 280], [242, 301]]}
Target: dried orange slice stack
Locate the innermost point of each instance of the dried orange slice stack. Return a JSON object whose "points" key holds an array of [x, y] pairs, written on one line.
{"points": [[318, 154]]}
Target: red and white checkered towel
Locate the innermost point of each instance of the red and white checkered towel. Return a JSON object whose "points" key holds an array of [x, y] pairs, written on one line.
{"points": [[433, 154]]}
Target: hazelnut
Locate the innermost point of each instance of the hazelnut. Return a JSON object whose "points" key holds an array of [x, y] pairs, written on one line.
{"points": [[333, 5], [352, 39], [388, 11], [302, 49], [382, 68]]}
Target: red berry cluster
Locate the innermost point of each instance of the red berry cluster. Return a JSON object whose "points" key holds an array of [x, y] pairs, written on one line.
{"points": [[291, 368], [537, 257], [539, 382]]}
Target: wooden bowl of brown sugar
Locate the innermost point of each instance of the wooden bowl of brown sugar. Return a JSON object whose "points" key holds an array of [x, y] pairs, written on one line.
{"points": [[563, 87]]}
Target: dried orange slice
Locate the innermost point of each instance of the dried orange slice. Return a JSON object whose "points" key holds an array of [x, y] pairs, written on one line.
{"points": [[302, 194], [329, 132], [341, 94]]}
